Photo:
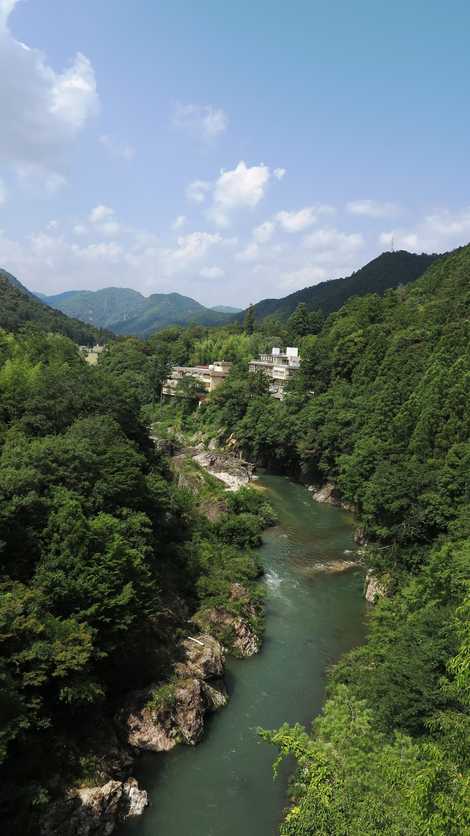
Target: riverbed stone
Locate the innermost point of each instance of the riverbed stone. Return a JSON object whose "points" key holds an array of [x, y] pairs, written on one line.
{"points": [[96, 811], [196, 688]]}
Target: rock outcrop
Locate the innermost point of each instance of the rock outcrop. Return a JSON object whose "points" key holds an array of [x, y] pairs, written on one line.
{"points": [[233, 472], [373, 588], [329, 495], [157, 723], [234, 630], [94, 811]]}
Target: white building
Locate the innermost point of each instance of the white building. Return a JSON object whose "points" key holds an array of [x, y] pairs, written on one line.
{"points": [[209, 376], [279, 367]]}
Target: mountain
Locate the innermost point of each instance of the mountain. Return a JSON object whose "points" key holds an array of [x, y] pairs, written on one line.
{"points": [[18, 307], [162, 309], [4, 274], [226, 309], [126, 311], [386, 271], [104, 307]]}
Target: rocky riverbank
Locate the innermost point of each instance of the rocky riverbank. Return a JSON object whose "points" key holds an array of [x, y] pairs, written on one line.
{"points": [[166, 713], [154, 719], [94, 810], [172, 712], [329, 494]]}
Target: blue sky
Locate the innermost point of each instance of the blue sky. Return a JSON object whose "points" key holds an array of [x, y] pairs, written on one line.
{"points": [[229, 151]]}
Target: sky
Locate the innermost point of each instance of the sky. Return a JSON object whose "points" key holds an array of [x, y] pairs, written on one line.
{"points": [[229, 151]]}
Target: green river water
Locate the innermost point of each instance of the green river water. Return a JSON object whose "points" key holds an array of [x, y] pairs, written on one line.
{"points": [[224, 786]]}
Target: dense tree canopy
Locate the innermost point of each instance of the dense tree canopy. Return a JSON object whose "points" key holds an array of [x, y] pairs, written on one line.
{"points": [[381, 409]]}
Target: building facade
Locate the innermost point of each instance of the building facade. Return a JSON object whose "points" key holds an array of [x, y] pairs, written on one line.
{"points": [[279, 367], [209, 377]]}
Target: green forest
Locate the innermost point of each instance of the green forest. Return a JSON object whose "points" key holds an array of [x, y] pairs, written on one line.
{"points": [[380, 409], [105, 556]]}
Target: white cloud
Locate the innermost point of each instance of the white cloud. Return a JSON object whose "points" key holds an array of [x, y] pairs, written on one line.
{"points": [[203, 121], [439, 231], [189, 248], [39, 180], [197, 190], [104, 220], [212, 273], [303, 218], [118, 150], [279, 173], [249, 253], [240, 188], [3, 193], [79, 230], [110, 252], [42, 110], [264, 232], [100, 213], [6, 8], [372, 208], [179, 222], [448, 228], [399, 240], [332, 246], [304, 277]]}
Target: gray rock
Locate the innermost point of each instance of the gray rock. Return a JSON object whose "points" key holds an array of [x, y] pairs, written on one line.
{"points": [[373, 588], [196, 689], [94, 810]]}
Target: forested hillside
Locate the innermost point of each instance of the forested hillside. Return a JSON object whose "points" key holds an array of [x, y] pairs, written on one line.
{"points": [[163, 309], [104, 560], [381, 410], [18, 308], [126, 311], [388, 270], [103, 308], [104, 556]]}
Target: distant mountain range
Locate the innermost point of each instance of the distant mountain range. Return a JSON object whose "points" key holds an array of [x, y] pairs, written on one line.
{"points": [[226, 309], [125, 311], [387, 270]]}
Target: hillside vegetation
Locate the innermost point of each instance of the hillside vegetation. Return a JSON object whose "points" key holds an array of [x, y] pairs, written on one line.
{"points": [[104, 560], [103, 308], [388, 270], [19, 308], [381, 410], [126, 311]]}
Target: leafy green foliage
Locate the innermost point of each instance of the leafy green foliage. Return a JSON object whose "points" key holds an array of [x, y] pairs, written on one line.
{"points": [[103, 558], [387, 271], [380, 408], [19, 308]]}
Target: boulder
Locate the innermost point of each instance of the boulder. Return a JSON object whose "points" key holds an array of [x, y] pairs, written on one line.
{"points": [[233, 472], [197, 688], [329, 495], [373, 588], [236, 632], [360, 537], [159, 729], [94, 810], [204, 658], [326, 494]]}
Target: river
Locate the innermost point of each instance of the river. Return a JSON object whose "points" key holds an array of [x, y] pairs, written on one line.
{"points": [[224, 786]]}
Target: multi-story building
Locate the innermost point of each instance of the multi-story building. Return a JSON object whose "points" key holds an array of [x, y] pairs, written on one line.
{"points": [[279, 367], [91, 354], [209, 376]]}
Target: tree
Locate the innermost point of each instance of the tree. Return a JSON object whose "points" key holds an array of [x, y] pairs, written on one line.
{"points": [[250, 320]]}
